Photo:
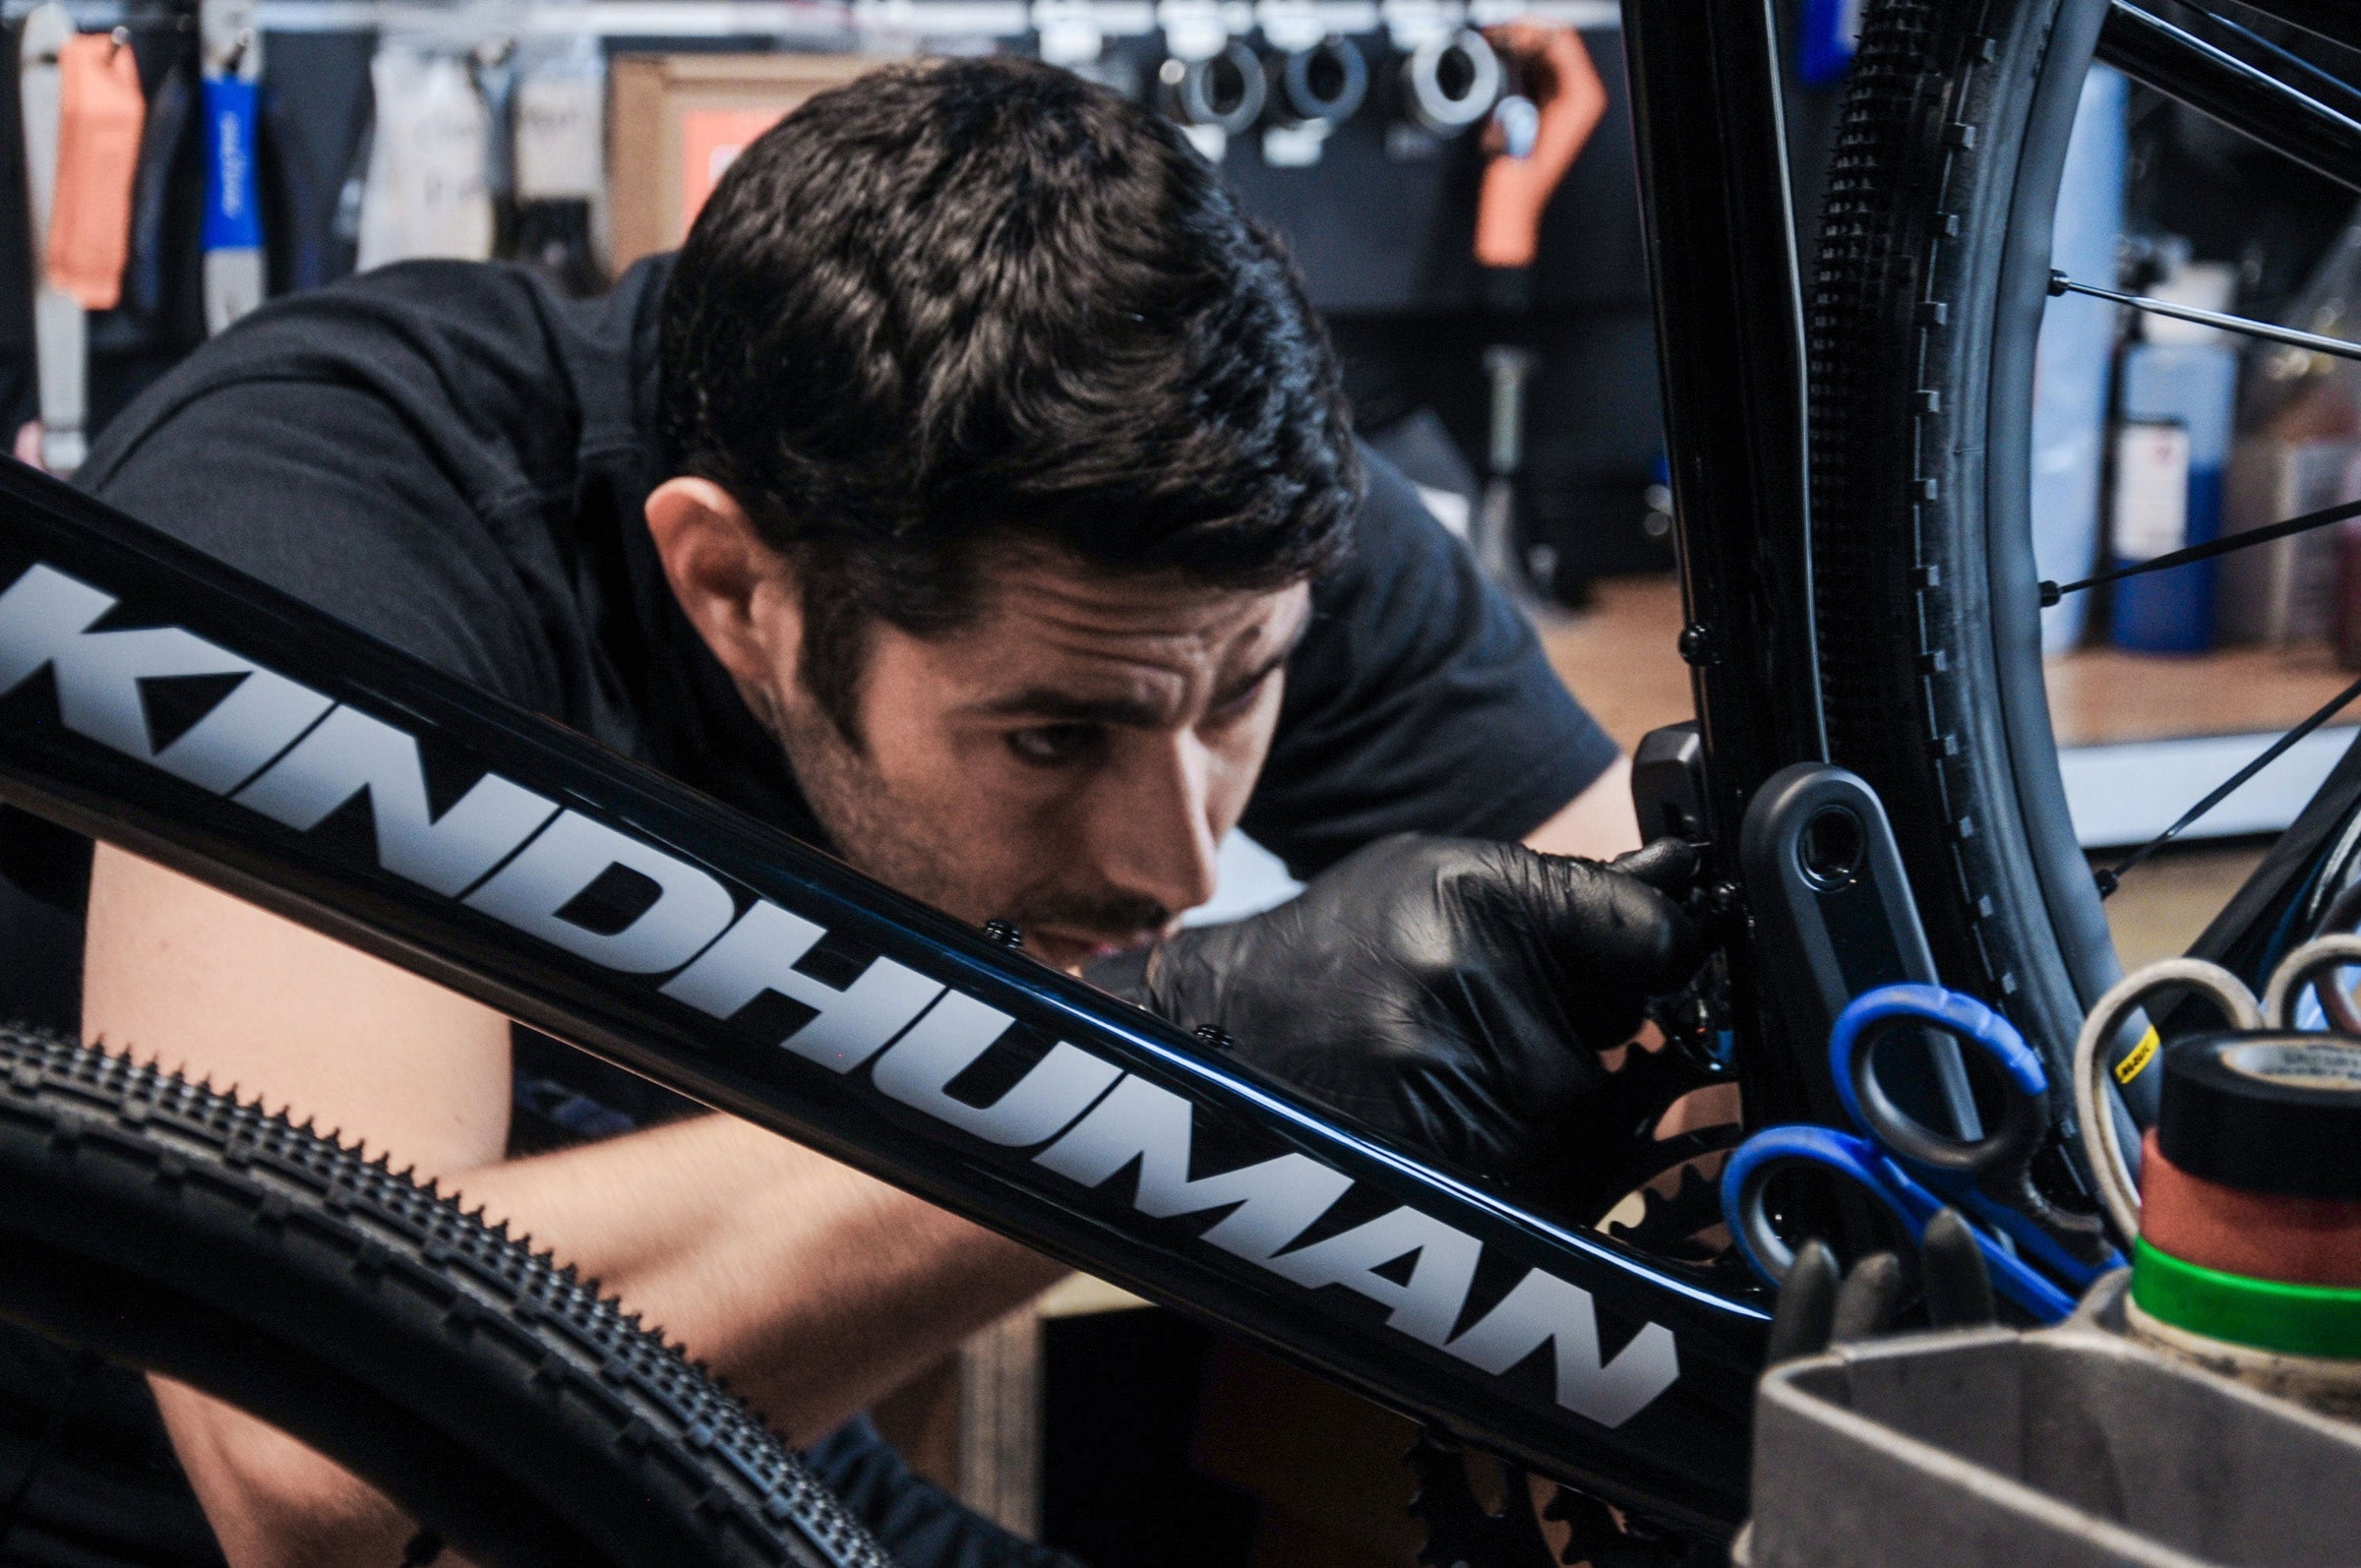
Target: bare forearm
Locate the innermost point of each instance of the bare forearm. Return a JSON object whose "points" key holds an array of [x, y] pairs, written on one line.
{"points": [[1597, 824], [274, 1503], [809, 1286]]}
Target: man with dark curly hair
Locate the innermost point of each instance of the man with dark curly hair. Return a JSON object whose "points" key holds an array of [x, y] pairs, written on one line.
{"points": [[973, 496]]}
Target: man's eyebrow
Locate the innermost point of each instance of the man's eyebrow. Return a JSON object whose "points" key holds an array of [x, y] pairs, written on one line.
{"points": [[1063, 707], [1262, 672]]}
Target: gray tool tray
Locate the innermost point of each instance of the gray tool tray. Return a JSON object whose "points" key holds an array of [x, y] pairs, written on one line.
{"points": [[2070, 1445]]}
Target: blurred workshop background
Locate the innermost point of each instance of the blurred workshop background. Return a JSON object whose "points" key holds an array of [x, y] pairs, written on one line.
{"points": [[181, 164]]}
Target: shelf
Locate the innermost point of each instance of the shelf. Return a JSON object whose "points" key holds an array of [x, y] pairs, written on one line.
{"points": [[835, 21], [2140, 737], [2103, 696]]}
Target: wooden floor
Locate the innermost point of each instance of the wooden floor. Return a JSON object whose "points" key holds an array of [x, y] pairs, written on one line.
{"points": [[2166, 902], [2098, 696], [1619, 657]]}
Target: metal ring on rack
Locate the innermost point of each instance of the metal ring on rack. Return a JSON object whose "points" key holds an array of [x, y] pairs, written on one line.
{"points": [[1321, 84], [1451, 81], [1224, 91], [2092, 1105]]}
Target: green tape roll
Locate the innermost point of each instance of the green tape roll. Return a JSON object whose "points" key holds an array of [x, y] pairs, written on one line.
{"points": [[2265, 1314]]}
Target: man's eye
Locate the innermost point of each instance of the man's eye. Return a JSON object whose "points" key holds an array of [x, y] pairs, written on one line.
{"points": [[1053, 745], [1233, 708]]}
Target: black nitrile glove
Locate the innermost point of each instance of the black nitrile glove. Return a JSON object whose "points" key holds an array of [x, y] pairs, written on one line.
{"points": [[1449, 993]]}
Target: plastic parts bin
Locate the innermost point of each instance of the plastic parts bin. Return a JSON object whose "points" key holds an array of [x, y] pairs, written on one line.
{"points": [[2066, 1447]]}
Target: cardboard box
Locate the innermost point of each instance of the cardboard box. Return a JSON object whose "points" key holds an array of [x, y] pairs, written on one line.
{"points": [[676, 121], [2284, 591]]}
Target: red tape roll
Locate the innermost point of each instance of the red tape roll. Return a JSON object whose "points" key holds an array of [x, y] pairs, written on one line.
{"points": [[2259, 1234]]}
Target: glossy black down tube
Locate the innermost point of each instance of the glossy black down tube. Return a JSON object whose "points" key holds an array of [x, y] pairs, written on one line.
{"points": [[1719, 215], [1017, 1095]]}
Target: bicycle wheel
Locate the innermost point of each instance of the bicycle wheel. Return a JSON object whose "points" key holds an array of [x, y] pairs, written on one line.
{"points": [[490, 1393], [1924, 311]]}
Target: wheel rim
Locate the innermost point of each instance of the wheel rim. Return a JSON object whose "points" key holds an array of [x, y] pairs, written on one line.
{"points": [[2085, 950]]}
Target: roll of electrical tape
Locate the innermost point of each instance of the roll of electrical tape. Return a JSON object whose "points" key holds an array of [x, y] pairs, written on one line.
{"points": [[2276, 1112], [2249, 1257]]}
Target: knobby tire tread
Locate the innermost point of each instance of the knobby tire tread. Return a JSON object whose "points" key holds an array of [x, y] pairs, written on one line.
{"points": [[1878, 317], [1900, 325], [498, 1397]]}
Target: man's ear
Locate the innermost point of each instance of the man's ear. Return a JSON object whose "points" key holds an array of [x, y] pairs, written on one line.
{"points": [[741, 595]]}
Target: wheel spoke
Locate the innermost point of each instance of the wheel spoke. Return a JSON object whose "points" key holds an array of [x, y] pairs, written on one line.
{"points": [[2274, 111], [2060, 284], [2337, 87], [2244, 539], [2336, 21], [2109, 878], [2240, 95]]}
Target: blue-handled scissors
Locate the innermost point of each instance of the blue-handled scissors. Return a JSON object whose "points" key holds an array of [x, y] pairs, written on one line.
{"points": [[1915, 1171]]}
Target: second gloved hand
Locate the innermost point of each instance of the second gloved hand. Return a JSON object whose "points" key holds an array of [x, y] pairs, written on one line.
{"points": [[1452, 994]]}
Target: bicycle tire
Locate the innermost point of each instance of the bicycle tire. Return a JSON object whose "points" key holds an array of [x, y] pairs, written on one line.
{"points": [[496, 1397], [1925, 307]]}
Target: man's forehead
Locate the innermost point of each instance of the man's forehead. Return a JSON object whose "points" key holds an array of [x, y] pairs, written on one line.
{"points": [[1063, 643], [1058, 604]]}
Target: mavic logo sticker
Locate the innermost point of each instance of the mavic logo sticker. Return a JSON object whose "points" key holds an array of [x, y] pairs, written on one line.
{"points": [[296, 756]]}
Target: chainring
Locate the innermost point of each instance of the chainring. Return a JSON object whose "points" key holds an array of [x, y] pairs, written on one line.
{"points": [[1603, 1159], [1462, 1533], [1610, 1156]]}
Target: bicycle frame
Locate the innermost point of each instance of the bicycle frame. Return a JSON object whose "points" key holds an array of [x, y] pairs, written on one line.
{"points": [[769, 980], [1720, 231], [1558, 1347]]}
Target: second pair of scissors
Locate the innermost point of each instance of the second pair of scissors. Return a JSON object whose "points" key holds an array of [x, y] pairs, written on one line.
{"points": [[1914, 1171]]}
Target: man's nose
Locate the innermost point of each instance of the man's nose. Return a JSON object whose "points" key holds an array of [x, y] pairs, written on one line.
{"points": [[1153, 832]]}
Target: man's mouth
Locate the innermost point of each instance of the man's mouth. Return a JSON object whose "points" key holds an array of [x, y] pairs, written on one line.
{"points": [[1073, 949], [1069, 931]]}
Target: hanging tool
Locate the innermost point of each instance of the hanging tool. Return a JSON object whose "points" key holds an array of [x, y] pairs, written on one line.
{"points": [[2027, 1243], [1545, 97], [560, 132], [1506, 366], [1828, 34], [231, 47], [100, 117], [426, 193], [60, 335], [493, 65]]}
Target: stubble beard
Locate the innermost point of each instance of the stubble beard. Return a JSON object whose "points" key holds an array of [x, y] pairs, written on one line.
{"points": [[853, 803], [857, 811]]}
